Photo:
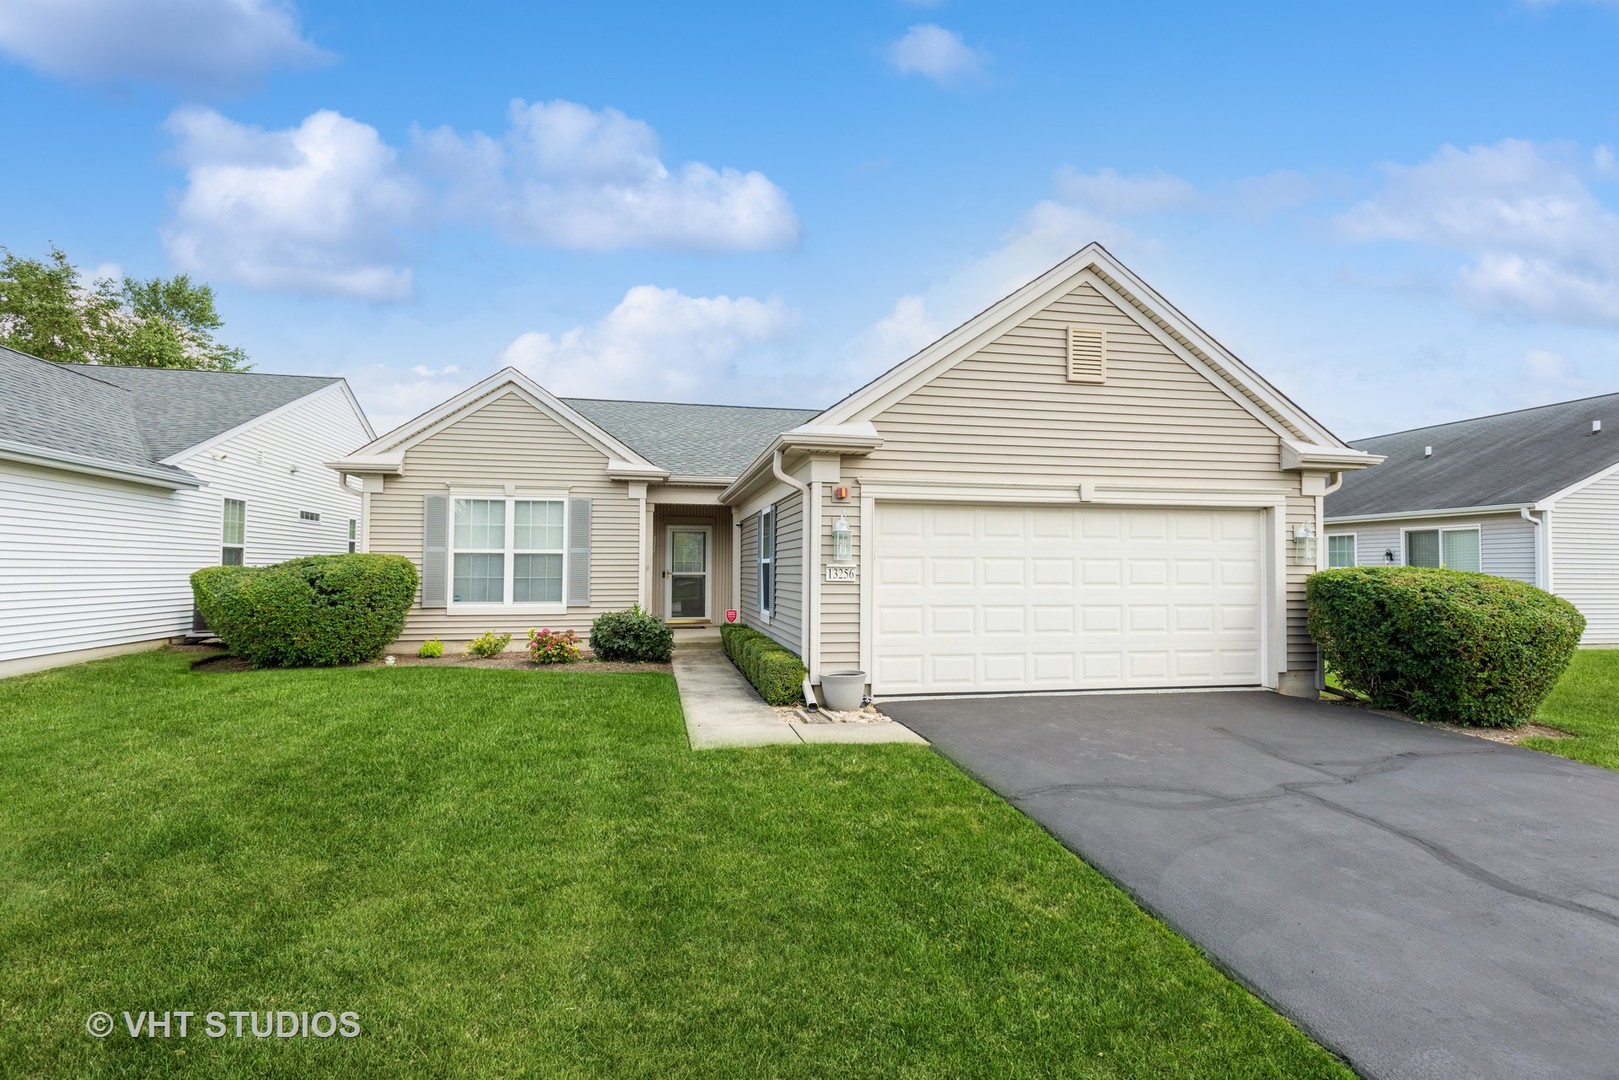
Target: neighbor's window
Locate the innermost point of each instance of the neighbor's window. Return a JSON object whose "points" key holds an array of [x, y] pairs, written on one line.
{"points": [[1341, 550], [308, 515], [767, 559], [233, 537], [507, 551], [354, 535], [1456, 549]]}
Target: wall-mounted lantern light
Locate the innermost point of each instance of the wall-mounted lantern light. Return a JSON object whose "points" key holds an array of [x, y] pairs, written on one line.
{"points": [[842, 540], [1304, 545]]}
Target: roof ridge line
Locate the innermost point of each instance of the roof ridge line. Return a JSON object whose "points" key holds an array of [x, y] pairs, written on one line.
{"points": [[697, 404]]}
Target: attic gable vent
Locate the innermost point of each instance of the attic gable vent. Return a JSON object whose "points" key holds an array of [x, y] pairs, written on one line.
{"points": [[1087, 354]]}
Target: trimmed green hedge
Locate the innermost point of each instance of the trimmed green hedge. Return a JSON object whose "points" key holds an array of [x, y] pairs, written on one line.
{"points": [[1443, 644], [777, 674], [311, 612], [632, 635]]}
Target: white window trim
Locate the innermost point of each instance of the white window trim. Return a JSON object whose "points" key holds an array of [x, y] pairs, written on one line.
{"points": [[766, 612], [1354, 544], [222, 544], [507, 607], [354, 535], [1441, 529]]}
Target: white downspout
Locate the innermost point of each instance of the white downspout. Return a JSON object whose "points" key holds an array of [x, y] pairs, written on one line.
{"points": [[810, 517], [1541, 562]]}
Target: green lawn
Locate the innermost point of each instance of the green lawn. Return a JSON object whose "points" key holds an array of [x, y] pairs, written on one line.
{"points": [[509, 872], [1585, 703]]}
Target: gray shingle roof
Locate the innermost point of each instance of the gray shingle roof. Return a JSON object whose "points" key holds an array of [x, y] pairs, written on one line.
{"points": [[1511, 458], [131, 417], [179, 407], [691, 440]]}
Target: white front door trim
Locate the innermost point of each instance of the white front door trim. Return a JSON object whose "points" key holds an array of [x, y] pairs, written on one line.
{"points": [[707, 573]]}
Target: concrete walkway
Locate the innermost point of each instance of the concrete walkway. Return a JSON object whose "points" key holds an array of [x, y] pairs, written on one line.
{"points": [[723, 710]]}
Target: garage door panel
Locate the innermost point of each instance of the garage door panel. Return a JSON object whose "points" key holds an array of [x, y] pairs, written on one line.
{"points": [[999, 598]]}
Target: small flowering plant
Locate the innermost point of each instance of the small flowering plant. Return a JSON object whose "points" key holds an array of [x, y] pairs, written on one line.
{"points": [[553, 646]]}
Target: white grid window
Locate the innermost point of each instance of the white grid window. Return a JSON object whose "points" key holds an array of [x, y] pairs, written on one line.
{"points": [[233, 534], [1341, 550], [767, 560], [354, 535], [1454, 549], [508, 551]]}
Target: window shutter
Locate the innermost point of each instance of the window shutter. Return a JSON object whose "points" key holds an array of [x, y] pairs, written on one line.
{"points": [[1087, 354], [435, 551], [578, 552]]}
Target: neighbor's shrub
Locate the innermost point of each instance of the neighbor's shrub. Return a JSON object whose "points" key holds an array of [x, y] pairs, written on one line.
{"points": [[631, 635], [777, 674], [553, 646], [488, 644], [431, 647], [1443, 644], [311, 612]]}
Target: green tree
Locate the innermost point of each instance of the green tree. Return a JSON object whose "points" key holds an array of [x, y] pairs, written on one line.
{"points": [[47, 310]]}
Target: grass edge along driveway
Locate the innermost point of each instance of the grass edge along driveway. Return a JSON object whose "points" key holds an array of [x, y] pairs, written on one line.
{"points": [[514, 871]]}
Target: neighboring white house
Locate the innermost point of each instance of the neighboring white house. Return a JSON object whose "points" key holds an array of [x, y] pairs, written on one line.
{"points": [[1531, 494], [116, 483]]}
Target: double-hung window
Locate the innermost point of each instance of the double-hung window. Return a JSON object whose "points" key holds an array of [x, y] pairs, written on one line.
{"points": [[1341, 550], [354, 535], [508, 551], [233, 534], [1456, 549], [767, 560]]}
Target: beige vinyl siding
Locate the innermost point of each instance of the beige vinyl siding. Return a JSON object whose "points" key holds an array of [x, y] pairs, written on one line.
{"points": [[718, 519], [506, 440], [1506, 541], [1008, 416], [840, 600], [1585, 557], [786, 622], [1301, 654]]}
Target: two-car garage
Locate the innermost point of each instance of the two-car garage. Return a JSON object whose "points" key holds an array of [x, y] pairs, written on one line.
{"points": [[998, 598]]}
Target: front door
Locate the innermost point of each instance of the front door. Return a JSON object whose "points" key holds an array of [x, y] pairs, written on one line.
{"points": [[687, 548]]}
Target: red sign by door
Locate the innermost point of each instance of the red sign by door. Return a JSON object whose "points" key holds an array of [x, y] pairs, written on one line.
{"points": [[730, 614]]}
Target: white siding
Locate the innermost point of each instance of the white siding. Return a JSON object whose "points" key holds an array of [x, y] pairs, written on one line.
{"points": [[1585, 557], [87, 563], [1506, 541], [277, 467]]}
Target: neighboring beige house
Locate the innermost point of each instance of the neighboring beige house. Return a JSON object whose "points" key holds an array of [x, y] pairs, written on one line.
{"points": [[1077, 489], [1531, 494]]}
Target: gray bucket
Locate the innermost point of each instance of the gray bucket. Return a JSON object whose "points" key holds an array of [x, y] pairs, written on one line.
{"points": [[843, 689]]}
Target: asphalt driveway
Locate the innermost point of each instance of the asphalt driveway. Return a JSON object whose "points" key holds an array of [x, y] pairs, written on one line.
{"points": [[1427, 904]]}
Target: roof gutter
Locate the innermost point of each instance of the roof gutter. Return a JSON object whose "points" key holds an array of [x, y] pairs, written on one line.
{"points": [[1296, 455], [1446, 511], [859, 438], [168, 479]]}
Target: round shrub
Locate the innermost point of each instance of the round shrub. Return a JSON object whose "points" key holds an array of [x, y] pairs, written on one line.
{"points": [[1443, 644], [631, 635], [311, 612]]}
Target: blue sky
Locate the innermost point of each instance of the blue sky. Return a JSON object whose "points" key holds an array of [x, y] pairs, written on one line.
{"points": [[1399, 213]]}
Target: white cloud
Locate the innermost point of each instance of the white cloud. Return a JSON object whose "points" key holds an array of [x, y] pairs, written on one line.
{"points": [[568, 176], [1106, 192], [1539, 241], [195, 44], [324, 207], [657, 344], [314, 209], [939, 54]]}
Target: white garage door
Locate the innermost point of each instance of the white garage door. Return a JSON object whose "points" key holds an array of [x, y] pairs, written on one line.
{"points": [[975, 599]]}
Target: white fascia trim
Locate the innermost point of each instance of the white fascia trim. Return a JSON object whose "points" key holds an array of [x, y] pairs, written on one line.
{"points": [[699, 481], [411, 432], [341, 386], [1071, 495], [1580, 485], [1296, 455], [1456, 511], [1060, 279], [90, 466], [369, 465], [813, 438]]}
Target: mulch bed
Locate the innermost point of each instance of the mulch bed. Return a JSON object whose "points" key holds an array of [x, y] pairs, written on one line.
{"points": [[1510, 736], [212, 660]]}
